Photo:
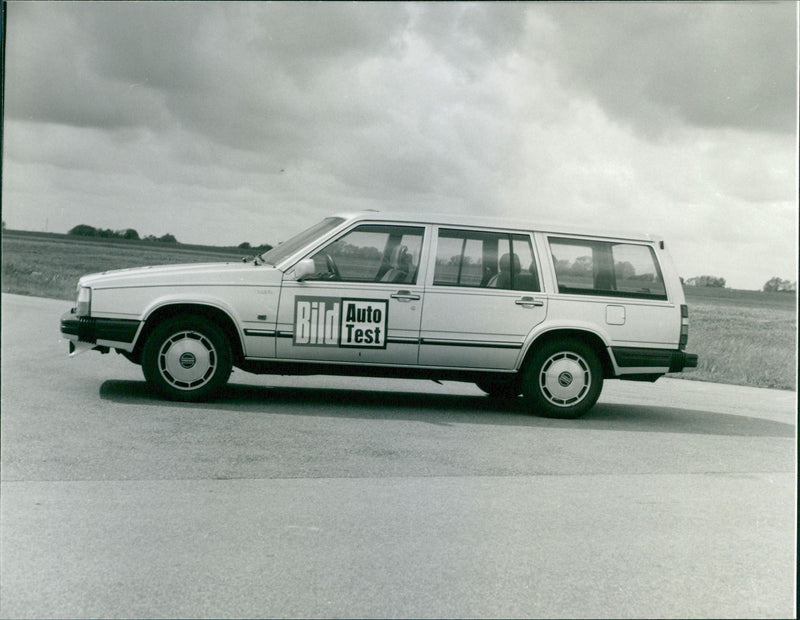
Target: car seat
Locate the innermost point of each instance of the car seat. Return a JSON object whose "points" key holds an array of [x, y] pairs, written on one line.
{"points": [[528, 280], [509, 263], [400, 263]]}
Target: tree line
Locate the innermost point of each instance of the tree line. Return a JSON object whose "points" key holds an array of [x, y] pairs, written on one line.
{"points": [[773, 285], [84, 230], [778, 285]]}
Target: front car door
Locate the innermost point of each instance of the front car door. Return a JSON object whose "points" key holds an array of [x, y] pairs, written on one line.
{"points": [[363, 304], [483, 297]]}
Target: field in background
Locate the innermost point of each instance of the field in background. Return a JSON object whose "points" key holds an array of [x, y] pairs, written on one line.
{"points": [[49, 265], [742, 337], [744, 342]]}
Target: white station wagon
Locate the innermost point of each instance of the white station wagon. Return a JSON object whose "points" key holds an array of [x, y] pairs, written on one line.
{"points": [[543, 312]]}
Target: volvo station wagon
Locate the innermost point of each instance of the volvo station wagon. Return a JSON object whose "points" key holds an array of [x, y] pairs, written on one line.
{"points": [[540, 313]]}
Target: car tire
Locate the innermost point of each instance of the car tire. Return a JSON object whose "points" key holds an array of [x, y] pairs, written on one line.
{"points": [[562, 379], [187, 358]]}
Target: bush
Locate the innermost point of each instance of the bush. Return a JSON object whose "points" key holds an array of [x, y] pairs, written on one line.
{"points": [[83, 230], [777, 285], [712, 281]]}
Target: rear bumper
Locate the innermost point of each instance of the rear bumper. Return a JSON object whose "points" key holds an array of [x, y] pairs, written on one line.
{"points": [[673, 359], [689, 360], [91, 330]]}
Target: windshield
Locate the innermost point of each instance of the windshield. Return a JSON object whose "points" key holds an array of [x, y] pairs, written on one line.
{"points": [[289, 247]]}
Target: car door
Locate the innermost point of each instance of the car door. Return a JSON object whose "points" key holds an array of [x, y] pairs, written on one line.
{"points": [[362, 305], [482, 299]]}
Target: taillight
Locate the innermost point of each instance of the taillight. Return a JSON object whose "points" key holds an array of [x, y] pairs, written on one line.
{"points": [[684, 327]]}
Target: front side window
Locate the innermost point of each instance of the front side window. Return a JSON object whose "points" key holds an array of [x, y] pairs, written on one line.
{"points": [[372, 253], [485, 260], [607, 268]]}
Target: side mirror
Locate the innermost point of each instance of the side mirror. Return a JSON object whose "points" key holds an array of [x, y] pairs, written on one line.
{"points": [[304, 269]]}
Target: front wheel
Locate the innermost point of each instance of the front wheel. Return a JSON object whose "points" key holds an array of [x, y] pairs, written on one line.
{"points": [[187, 358], [562, 379]]}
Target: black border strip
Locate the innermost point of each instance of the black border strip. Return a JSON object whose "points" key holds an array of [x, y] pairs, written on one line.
{"points": [[629, 357], [90, 329], [260, 333], [474, 344]]}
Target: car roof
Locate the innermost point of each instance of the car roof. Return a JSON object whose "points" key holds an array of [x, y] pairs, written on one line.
{"points": [[474, 221]]}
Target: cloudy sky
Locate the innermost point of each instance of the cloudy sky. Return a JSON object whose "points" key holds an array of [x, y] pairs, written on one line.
{"points": [[229, 122]]}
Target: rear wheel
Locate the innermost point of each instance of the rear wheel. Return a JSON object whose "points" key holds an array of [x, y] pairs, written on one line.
{"points": [[562, 379], [187, 358]]}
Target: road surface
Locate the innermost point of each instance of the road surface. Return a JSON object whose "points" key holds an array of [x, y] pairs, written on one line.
{"points": [[330, 497]]}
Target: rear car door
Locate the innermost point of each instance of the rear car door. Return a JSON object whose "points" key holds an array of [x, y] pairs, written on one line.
{"points": [[483, 297]]}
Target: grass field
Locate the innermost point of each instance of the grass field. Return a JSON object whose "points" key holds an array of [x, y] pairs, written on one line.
{"points": [[743, 344], [742, 337], [45, 265]]}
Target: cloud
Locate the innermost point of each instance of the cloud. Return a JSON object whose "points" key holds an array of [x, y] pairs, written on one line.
{"points": [[222, 120], [716, 64]]}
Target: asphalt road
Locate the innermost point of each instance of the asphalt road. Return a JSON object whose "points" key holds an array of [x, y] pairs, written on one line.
{"points": [[330, 497]]}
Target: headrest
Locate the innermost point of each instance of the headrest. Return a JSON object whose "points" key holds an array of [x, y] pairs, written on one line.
{"points": [[400, 256], [506, 263]]}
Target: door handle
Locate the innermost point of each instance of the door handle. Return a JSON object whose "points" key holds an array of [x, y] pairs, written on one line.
{"points": [[405, 296], [529, 301]]}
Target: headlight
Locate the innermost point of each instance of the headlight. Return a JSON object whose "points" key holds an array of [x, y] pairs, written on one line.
{"points": [[84, 305]]}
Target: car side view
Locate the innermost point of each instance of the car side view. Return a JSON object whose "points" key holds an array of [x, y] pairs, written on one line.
{"points": [[545, 312]]}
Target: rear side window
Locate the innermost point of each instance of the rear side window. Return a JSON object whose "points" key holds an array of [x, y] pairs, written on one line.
{"points": [[485, 259], [607, 268]]}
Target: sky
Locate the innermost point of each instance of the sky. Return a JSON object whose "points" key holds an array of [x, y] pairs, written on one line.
{"points": [[226, 122]]}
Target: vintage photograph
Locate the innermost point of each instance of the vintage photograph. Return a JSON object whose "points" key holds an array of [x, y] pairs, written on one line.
{"points": [[399, 310]]}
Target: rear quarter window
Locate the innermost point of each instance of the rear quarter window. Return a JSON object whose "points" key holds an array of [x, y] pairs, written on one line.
{"points": [[615, 269]]}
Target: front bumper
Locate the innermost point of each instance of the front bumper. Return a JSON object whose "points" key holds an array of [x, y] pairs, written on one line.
{"points": [[675, 360], [91, 330]]}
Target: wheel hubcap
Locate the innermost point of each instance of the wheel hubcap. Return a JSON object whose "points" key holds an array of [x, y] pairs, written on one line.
{"points": [[565, 379], [187, 360]]}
